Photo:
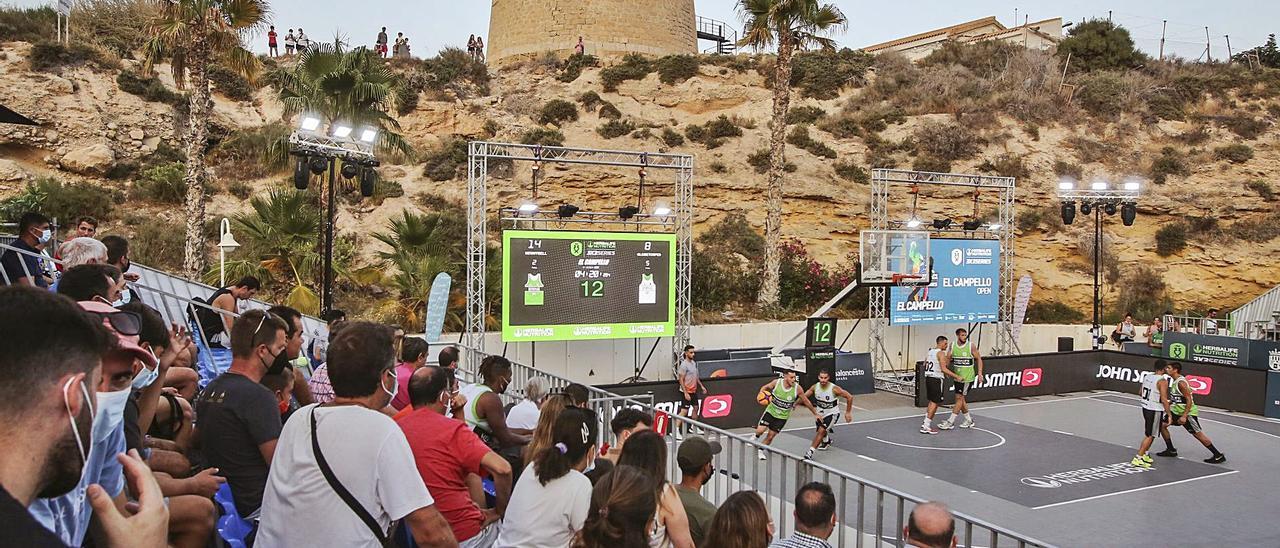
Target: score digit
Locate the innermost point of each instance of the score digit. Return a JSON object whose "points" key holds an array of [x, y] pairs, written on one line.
{"points": [[592, 288]]}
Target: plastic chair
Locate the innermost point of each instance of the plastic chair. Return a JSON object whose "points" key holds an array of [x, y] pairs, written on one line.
{"points": [[232, 529], [210, 362]]}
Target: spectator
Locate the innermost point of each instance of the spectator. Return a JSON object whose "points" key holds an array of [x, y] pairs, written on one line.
{"points": [[82, 250], [815, 517], [622, 507], [332, 319], [741, 522], [216, 323], [290, 43], [544, 432], [695, 457], [91, 282], [578, 393], [86, 227], [413, 356], [446, 453], [304, 43], [626, 422], [272, 49], [27, 268], [448, 357], [404, 48], [380, 47], [552, 496], [240, 418], [524, 415], [293, 353], [1124, 332], [398, 45], [1155, 333], [580, 48], [349, 446], [47, 419], [1209, 325], [480, 49], [647, 450], [483, 411], [279, 379], [471, 47], [118, 256], [930, 526]]}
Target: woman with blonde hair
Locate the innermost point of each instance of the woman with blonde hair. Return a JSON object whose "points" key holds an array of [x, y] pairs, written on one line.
{"points": [[741, 522], [647, 450]]}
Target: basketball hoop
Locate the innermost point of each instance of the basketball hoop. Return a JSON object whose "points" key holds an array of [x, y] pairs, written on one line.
{"points": [[905, 279]]}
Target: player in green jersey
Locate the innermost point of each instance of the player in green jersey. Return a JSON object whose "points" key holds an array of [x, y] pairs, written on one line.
{"points": [[783, 394], [964, 358], [1186, 412]]}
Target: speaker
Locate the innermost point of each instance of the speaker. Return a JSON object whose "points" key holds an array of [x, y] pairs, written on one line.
{"points": [[301, 173], [368, 178], [1066, 344]]}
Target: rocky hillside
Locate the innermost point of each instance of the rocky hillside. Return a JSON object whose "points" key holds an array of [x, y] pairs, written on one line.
{"points": [[1203, 139]]}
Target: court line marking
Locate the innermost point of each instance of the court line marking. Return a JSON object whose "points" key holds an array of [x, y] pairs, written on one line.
{"points": [[1095, 497], [868, 458], [1131, 397], [1202, 419], [1064, 433], [919, 415], [997, 444]]}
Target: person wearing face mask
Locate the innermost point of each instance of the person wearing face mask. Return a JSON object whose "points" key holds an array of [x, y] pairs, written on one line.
{"points": [[27, 268], [91, 282], [483, 411], [279, 380], [292, 357], [240, 418], [68, 516], [447, 452], [47, 412], [118, 256], [341, 467]]}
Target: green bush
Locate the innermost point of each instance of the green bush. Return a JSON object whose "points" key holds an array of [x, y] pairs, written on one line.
{"points": [[455, 70], [759, 160], [725, 272], [1103, 94], [823, 74], [1166, 105], [49, 56], [542, 136], [931, 163], [615, 128], [1028, 219], [149, 88], [164, 183], [804, 114], [573, 66], [674, 69], [1234, 153], [671, 137], [633, 67], [718, 167], [27, 24], [985, 59], [239, 189], [1142, 293], [609, 112], [1263, 189], [804, 282], [558, 111], [713, 133], [850, 171], [63, 201], [1171, 238], [589, 100], [800, 137], [642, 133], [1006, 165], [1052, 312], [407, 99], [158, 243], [252, 152], [446, 162], [948, 142], [1169, 162], [230, 83], [1100, 45]]}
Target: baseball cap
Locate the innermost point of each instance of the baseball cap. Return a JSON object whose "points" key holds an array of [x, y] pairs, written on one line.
{"points": [[124, 343], [696, 451]]}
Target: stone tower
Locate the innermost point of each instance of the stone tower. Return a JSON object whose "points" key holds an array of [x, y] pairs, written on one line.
{"points": [[608, 27]]}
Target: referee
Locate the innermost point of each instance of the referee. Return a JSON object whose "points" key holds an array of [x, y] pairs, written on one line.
{"points": [[691, 388]]}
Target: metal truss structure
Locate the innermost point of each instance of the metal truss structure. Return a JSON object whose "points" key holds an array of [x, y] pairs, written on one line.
{"points": [[882, 182], [479, 155]]}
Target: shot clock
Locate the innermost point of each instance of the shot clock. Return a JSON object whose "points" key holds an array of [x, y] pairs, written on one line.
{"points": [[566, 285]]}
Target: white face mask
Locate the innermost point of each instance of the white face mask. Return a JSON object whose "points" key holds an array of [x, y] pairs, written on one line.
{"points": [[110, 414], [75, 430], [45, 236], [147, 375], [395, 385]]}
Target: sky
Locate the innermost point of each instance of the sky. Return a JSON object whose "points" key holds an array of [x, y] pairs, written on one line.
{"points": [[434, 24]]}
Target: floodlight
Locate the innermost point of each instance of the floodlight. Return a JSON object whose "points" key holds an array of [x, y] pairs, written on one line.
{"points": [[1066, 185], [994, 226], [566, 210], [1110, 208], [1068, 212], [300, 173], [1099, 185], [309, 123], [318, 165], [368, 135], [341, 132], [368, 180], [662, 211], [1128, 212], [971, 225], [1086, 208], [913, 223], [627, 212], [1132, 185], [528, 208], [941, 224]]}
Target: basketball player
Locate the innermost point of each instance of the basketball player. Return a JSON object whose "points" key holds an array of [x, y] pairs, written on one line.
{"points": [[783, 395], [935, 369], [963, 357], [826, 396], [1155, 411], [1186, 413]]}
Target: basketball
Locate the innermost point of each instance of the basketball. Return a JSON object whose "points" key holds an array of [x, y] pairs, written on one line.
{"points": [[763, 397]]}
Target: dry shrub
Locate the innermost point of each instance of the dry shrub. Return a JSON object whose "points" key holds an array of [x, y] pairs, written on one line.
{"points": [[947, 141]]}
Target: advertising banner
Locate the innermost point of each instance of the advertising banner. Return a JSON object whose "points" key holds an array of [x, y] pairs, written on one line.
{"points": [[729, 403], [1273, 395], [1230, 388], [964, 288], [1021, 300], [1217, 350], [853, 373], [1264, 354]]}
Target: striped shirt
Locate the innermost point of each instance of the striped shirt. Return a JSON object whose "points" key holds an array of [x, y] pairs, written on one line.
{"points": [[801, 540]]}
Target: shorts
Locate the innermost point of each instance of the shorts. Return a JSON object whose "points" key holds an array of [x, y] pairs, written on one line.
{"points": [[485, 538], [962, 388], [695, 399], [1192, 425], [828, 422], [771, 422], [933, 389], [1153, 420]]}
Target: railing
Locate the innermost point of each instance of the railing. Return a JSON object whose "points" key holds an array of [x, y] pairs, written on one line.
{"points": [[1258, 317], [1173, 323], [724, 35]]}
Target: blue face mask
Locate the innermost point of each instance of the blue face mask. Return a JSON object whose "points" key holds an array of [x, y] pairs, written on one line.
{"points": [[148, 375], [45, 236]]}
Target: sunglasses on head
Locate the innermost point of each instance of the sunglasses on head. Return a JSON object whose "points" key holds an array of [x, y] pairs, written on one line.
{"points": [[124, 323]]}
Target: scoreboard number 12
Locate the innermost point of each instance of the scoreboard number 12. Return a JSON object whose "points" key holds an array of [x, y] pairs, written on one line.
{"points": [[592, 288]]}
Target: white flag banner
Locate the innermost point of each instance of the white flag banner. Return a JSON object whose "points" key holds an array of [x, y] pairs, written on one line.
{"points": [[1020, 301]]}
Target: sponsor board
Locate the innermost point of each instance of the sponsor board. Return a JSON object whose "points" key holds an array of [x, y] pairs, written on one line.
{"points": [[964, 287], [723, 407], [1201, 385], [1069, 478], [1222, 350], [1273, 396], [718, 405]]}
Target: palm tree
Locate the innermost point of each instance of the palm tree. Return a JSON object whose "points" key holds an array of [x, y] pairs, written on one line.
{"points": [[191, 34], [791, 25], [280, 239], [422, 246]]}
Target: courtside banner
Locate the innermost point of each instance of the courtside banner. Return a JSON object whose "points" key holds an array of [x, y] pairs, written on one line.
{"points": [[729, 402], [1273, 395], [853, 373], [1230, 388], [1007, 377], [1214, 349]]}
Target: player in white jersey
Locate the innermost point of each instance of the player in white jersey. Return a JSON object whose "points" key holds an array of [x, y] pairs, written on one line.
{"points": [[826, 395], [936, 368], [1155, 411]]}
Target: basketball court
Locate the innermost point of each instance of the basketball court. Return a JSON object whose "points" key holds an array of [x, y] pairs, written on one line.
{"points": [[1057, 468]]}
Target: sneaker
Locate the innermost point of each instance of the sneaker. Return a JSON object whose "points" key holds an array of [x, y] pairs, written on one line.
{"points": [[1216, 459], [808, 455], [1148, 459], [679, 436], [966, 424], [1138, 462], [1168, 453], [926, 429], [824, 446], [763, 454], [945, 425]]}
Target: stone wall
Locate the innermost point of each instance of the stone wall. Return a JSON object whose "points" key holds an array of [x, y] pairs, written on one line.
{"points": [[522, 28]]}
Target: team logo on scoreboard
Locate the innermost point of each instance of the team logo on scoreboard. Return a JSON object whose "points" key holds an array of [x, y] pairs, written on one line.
{"points": [[575, 249]]}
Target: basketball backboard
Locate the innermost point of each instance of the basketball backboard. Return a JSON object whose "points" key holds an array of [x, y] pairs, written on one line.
{"points": [[894, 257]]}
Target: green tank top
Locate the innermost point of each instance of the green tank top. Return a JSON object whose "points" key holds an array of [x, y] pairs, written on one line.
{"points": [[962, 362], [783, 400], [1177, 402], [1157, 337]]}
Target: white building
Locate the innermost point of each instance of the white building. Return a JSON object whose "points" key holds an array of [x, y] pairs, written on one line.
{"points": [[1038, 35]]}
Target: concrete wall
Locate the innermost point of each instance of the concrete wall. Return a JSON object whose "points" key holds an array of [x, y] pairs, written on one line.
{"points": [[602, 362], [608, 27]]}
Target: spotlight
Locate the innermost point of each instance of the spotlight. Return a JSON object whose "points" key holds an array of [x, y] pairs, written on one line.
{"points": [[1128, 212], [1068, 212], [994, 226], [528, 208], [318, 165], [1066, 185], [913, 223], [341, 132], [1132, 185], [1099, 185], [300, 173], [349, 170], [368, 180], [566, 210], [627, 212], [1110, 208], [941, 224], [310, 123], [661, 211], [368, 135], [1086, 208], [972, 225]]}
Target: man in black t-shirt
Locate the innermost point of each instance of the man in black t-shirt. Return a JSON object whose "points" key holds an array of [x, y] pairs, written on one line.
{"points": [[240, 418]]}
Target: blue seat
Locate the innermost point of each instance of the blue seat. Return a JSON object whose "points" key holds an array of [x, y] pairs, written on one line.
{"points": [[232, 529], [490, 492], [210, 362]]}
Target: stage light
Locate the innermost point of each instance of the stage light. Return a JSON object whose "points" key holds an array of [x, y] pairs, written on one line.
{"points": [[972, 225], [301, 176], [1133, 185], [368, 180], [941, 224], [318, 165], [994, 226], [661, 211], [341, 132], [1066, 185], [1068, 212], [309, 123], [1086, 208], [1099, 185], [913, 223], [1128, 212], [528, 208], [566, 210], [1110, 208], [350, 170], [627, 212], [368, 135]]}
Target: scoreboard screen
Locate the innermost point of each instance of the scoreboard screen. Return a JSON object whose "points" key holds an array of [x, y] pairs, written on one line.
{"points": [[564, 286]]}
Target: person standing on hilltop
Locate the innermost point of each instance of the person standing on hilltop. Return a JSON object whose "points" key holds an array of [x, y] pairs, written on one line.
{"points": [[480, 49], [290, 43], [580, 48], [381, 45], [471, 47]]}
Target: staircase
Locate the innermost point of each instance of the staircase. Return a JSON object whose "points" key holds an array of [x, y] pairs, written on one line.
{"points": [[723, 34]]}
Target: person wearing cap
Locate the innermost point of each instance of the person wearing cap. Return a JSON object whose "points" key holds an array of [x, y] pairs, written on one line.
{"points": [[694, 457]]}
